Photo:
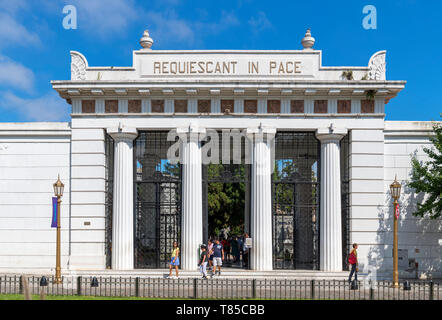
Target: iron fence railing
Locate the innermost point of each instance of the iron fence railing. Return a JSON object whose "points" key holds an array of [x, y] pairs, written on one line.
{"points": [[219, 288]]}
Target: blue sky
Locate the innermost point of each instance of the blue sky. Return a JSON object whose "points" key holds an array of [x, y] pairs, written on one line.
{"points": [[34, 46]]}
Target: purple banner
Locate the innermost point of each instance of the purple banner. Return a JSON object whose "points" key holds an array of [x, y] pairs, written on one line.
{"points": [[54, 212]]}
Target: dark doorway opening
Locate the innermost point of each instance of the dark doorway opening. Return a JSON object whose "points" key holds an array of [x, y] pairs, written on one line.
{"points": [[226, 201]]}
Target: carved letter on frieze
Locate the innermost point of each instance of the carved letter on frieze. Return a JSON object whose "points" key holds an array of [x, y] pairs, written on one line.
{"points": [[78, 66], [377, 66]]}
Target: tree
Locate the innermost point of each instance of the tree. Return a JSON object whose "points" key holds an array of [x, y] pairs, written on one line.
{"points": [[427, 177], [226, 201]]}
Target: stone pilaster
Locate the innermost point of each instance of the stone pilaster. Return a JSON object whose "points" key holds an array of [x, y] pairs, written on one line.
{"points": [[330, 216], [123, 199], [192, 214], [261, 254]]}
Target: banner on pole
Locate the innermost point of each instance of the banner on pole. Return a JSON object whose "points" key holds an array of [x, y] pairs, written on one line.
{"points": [[54, 212], [397, 212]]}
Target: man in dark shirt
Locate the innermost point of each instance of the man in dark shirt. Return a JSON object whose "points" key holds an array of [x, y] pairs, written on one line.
{"points": [[218, 257], [203, 261]]}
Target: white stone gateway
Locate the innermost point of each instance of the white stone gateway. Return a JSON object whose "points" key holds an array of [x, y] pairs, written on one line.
{"points": [[107, 158]]}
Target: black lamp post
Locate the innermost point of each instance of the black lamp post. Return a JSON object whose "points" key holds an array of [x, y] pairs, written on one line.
{"points": [[395, 189], [58, 192]]}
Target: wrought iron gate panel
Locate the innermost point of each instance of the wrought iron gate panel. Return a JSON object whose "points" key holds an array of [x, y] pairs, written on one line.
{"points": [[109, 184], [345, 200], [157, 201], [295, 201]]}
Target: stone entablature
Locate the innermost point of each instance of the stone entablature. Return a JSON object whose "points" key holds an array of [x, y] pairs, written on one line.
{"points": [[229, 106]]}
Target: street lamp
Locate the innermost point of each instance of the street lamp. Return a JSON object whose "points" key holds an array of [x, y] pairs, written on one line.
{"points": [[58, 192], [395, 189]]}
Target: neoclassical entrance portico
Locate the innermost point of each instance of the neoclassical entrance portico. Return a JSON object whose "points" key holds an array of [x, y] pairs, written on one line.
{"points": [[296, 214], [261, 201]]}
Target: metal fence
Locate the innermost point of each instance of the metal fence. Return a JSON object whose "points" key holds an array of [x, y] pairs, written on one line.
{"points": [[223, 288]]}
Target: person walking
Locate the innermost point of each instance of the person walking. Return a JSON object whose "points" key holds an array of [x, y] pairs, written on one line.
{"points": [[175, 260], [218, 257], [203, 261], [353, 261], [210, 254]]}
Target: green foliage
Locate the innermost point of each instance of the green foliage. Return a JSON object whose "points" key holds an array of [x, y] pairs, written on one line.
{"points": [[427, 177], [225, 202]]}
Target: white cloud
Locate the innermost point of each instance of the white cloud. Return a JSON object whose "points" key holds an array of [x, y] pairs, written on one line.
{"points": [[104, 17], [260, 22], [167, 27], [13, 6], [13, 32], [15, 75], [49, 107]]}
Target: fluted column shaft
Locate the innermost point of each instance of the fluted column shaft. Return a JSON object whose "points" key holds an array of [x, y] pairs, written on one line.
{"points": [[123, 199], [192, 214], [261, 254], [330, 212]]}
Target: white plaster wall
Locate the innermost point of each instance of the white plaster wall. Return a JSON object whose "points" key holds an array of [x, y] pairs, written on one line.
{"points": [[31, 157], [420, 236], [366, 161], [88, 198]]}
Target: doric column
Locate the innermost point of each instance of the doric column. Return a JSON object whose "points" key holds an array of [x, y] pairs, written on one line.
{"points": [[192, 213], [330, 216], [261, 254], [123, 199]]}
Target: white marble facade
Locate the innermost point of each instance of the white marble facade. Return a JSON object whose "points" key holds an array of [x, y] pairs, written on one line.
{"points": [[246, 90]]}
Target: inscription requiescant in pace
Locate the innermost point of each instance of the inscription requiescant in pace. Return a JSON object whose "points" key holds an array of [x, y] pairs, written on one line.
{"points": [[273, 67]]}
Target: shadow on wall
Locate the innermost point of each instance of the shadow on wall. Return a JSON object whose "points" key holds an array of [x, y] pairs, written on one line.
{"points": [[420, 236]]}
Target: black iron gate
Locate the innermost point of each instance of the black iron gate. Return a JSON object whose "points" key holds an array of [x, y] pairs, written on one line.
{"points": [[157, 201], [295, 200], [345, 200], [109, 185]]}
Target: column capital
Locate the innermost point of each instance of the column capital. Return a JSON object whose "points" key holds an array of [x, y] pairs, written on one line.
{"points": [[122, 133], [331, 134]]}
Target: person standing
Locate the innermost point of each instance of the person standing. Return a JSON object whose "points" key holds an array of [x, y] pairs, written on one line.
{"points": [[218, 257], [175, 260], [245, 254], [235, 249], [353, 261], [240, 248], [203, 261]]}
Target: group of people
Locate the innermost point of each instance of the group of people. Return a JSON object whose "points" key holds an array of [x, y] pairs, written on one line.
{"points": [[217, 251], [214, 253]]}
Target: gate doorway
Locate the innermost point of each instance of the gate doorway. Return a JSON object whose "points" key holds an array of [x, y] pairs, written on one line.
{"points": [[295, 201], [226, 203], [157, 201]]}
